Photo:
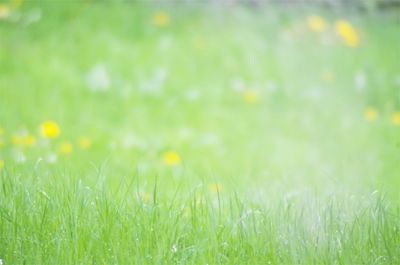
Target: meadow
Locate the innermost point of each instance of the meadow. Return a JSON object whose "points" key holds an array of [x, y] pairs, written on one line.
{"points": [[165, 133]]}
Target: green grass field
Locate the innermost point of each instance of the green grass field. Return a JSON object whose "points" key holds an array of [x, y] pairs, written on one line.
{"points": [[198, 134]]}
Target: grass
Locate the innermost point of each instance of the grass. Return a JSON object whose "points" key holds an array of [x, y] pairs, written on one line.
{"points": [[79, 225], [284, 141]]}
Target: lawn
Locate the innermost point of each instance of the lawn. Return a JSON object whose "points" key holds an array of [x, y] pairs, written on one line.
{"points": [[195, 133]]}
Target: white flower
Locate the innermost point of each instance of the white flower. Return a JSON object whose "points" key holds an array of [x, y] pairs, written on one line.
{"points": [[360, 81], [154, 84], [238, 85], [33, 16], [185, 133], [112, 145], [271, 87], [51, 158], [192, 95], [130, 141], [165, 42], [397, 80], [313, 94], [174, 249], [209, 139], [143, 167], [98, 78]]}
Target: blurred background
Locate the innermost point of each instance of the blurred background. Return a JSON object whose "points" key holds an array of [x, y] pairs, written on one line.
{"points": [[267, 98]]}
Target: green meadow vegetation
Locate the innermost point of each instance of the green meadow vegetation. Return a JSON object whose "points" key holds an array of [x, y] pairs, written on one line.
{"points": [[195, 133]]}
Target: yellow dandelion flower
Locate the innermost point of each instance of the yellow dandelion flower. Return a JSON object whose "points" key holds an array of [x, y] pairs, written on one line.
{"points": [[23, 140], [1, 164], [50, 129], [65, 148], [161, 19], [171, 158], [28, 140], [16, 3], [215, 188], [144, 197], [17, 140], [316, 23], [84, 143], [396, 118], [328, 76], [187, 212], [250, 96], [371, 114], [199, 43], [4, 11], [347, 32], [1, 131]]}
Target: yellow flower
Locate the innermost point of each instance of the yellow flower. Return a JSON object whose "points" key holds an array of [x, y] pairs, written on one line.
{"points": [[23, 140], [199, 42], [50, 129], [84, 142], [316, 23], [250, 96], [161, 19], [215, 188], [17, 140], [371, 114], [16, 3], [1, 131], [348, 34], [4, 11], [28, 140], [328, 76], [144, 197], [396, 118], [1, 164], [65, 148], [187, 212], [171, 158]]}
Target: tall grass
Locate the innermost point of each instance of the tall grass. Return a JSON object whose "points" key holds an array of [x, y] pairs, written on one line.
{"points": [[75, 224]]}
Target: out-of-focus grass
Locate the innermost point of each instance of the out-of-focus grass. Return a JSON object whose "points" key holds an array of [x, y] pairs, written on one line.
{"points": [[213, 135]]}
